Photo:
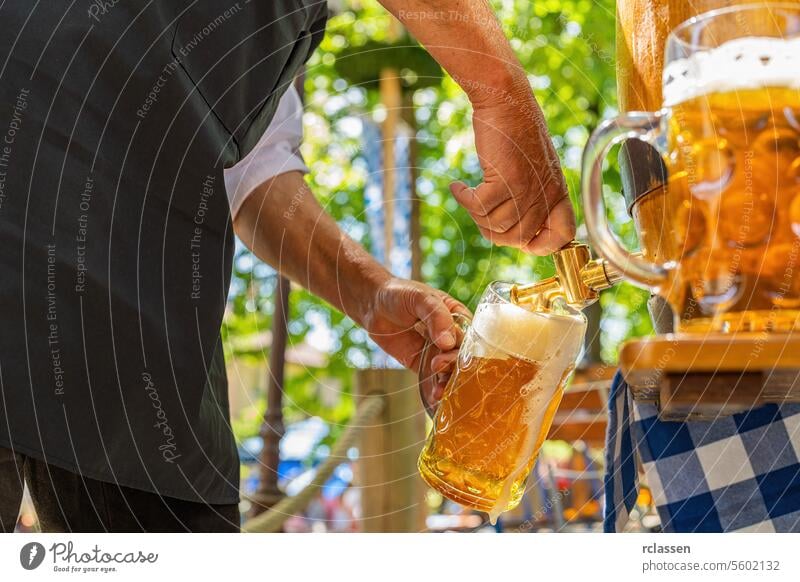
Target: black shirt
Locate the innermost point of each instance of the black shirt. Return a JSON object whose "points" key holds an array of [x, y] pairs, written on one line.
{"points": [[116, 122]]}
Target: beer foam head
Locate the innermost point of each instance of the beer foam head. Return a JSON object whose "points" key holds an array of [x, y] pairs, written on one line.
{"points": [[745, 63], [510, 329]]}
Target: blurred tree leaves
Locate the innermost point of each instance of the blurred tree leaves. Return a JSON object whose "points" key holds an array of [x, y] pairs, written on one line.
{"points": [[567, 49], [360, 65]]}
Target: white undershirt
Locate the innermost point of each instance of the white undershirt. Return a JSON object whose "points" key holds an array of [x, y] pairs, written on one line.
{"points": [[276, 152]]}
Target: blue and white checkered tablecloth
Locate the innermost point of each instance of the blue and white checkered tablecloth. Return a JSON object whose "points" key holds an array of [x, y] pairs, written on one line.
{"points": [[739, 473]]}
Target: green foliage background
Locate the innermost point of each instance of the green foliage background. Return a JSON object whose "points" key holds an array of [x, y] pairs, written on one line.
{"points": [[567, 50]]}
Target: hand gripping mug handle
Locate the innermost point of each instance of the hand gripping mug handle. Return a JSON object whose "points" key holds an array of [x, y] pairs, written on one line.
{"points": [[427, 378], [636, 125]]}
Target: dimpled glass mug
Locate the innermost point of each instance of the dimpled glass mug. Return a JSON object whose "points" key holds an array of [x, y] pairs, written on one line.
{"points": [[721, 243], [500, 401]]}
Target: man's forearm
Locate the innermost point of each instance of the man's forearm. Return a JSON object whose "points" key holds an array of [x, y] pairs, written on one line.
{"points": [[284, 225], [465, 37], [523, 200]]}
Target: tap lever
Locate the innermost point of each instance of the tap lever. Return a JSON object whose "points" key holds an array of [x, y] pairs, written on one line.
{"points": [[577, 281]]}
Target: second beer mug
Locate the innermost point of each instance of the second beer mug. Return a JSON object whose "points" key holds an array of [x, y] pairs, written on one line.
{"points": [[500, 401], [722, 244]]}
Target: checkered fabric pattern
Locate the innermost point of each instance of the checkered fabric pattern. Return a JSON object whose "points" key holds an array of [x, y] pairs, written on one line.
{"points": [[739, 473]]}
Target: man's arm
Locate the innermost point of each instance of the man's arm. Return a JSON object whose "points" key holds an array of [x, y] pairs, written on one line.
{"points": [[276, 215], [465, 37], [523, 200], [284, 225]]}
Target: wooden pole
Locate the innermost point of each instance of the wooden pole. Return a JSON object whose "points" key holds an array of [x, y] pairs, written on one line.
{"points": [[392, 492], [273, 427], [410, 120], [392, 99]]}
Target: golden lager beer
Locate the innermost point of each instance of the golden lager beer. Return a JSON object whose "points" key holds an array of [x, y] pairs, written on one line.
{"points": [[722, 242], [500, 401], [734, 182]]}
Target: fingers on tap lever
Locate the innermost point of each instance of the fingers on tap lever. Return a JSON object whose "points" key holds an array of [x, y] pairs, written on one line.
{"points": [[537, 224]]}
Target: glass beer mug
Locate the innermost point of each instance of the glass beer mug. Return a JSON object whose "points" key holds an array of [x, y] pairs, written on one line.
{"points": [[500, 401], [722, 243]]}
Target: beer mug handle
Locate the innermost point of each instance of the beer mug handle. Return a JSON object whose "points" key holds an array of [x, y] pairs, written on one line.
{"points": [[427, 379], [636, 125]]}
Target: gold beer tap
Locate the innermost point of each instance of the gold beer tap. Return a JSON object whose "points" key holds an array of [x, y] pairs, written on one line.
{"points": [[577, 281]]}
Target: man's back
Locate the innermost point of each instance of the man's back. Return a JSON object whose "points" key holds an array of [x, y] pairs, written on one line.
{"points": [[115, 229]]}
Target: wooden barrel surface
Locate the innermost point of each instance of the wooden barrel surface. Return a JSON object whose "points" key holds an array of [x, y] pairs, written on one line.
{"points": [[642, 30]]}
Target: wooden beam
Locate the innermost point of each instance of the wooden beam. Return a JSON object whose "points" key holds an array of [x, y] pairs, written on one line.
{"points": [[392, 492], [585, 400], [593, 432]]}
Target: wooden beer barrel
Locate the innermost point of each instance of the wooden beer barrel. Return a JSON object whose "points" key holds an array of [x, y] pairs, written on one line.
{"points": [[642, 30]]}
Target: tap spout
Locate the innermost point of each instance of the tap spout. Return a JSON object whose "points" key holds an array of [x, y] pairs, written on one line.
{"points": [[577, 281]]}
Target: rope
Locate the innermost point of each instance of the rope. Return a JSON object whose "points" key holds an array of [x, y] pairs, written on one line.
{"points": [[272, 520]]}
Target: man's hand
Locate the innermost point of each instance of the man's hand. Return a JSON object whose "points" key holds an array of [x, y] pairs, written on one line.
{"points": [[405, 313], [523, 199]]}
